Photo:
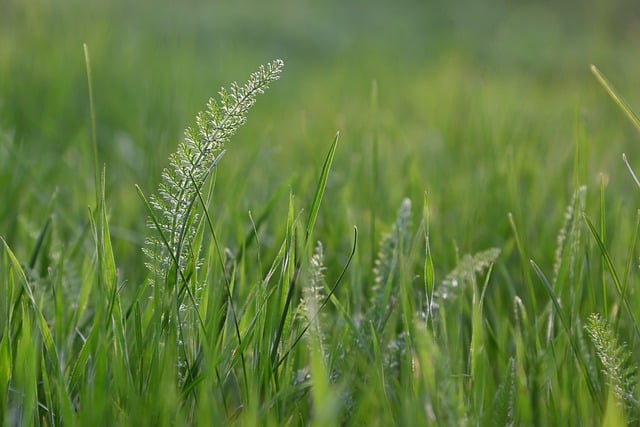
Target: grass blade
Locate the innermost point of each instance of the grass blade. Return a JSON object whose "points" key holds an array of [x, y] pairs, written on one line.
{"points": [[92, 112], [572, 340], [322, 184], [39, 243], [630, 169], [614, 275], [614, 95]]}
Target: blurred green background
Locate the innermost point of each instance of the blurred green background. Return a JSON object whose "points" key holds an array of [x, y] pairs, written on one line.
{"points": [[480, 104]]}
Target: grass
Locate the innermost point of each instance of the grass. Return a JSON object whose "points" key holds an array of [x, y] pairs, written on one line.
{"points": [[462, 252]]}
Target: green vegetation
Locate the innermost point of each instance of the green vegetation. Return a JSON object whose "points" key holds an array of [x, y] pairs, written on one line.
{"points": [[463, 251]]}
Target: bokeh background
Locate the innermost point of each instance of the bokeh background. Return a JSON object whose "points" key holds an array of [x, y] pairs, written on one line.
{"points": [[480, 104]]}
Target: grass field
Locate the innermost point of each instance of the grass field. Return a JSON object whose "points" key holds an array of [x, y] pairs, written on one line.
{"points": [[426, 219]]}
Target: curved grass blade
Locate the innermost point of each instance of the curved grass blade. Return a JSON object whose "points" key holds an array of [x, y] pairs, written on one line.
{"points": [[630, 169], [617, 98], [317, 200], [326, 299]]}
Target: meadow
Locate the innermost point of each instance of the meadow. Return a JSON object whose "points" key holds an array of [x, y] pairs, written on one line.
{"points": [[425, 220]]}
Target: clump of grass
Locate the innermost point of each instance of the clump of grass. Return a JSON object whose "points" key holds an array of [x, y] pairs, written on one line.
{"points": [[222, 338], [174, 250]]}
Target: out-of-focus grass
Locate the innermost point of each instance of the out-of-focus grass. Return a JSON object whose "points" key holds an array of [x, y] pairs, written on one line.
{"points": [[481, 106], [442, 70]]}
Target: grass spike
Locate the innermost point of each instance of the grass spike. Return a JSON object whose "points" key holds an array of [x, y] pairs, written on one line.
{"points": [[570, 228], [313, 296], [392, 246], [464, 274], [193, 162], [616, 365]]}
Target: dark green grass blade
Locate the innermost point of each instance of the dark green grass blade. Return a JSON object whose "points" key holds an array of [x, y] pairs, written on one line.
{"points": [[572, 339], [251, 235], [39, 243], [317, 200], [614, 275], [227, 281], [344, 270], [289, 277]]}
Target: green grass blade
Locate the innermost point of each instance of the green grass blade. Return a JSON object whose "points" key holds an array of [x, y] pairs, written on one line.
{"points": [[571, 337], [428, 269], [18, 269], [290, 272], [252, 235], [617, 98], [476, 349], [51, 353], [631, 259], [6, 367], [322, 184], [523, 258], [614, 275], [630, 169], [603, 239], [227, 284], [25, 374], [39, 243], [104, 249], [92, 112], [375, 169]]}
